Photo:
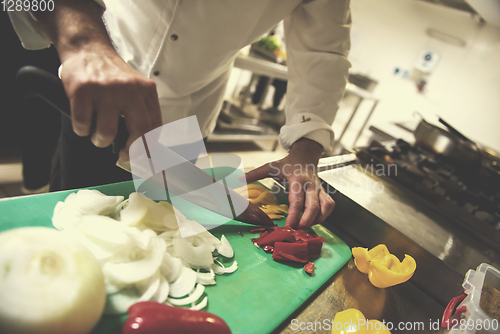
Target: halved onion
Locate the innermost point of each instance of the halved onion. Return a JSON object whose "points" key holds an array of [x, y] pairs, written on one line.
{"points": [[49, 283]]}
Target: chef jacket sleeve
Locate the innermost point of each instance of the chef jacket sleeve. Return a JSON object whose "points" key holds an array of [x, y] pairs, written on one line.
{"points": [[26, 28], [317, 37]]}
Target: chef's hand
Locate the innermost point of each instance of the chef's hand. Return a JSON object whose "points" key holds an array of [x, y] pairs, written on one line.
{"points": [[299, 170], [96, 79], [101, 83]]}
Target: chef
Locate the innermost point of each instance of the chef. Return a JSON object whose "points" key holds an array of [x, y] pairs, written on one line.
{"points": [[157, 61]]}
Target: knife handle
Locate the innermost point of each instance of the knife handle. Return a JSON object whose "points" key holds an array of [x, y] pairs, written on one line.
{"points": [[32, 81]]}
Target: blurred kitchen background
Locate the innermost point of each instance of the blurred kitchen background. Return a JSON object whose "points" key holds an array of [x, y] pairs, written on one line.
{"points": [[434, 57]]}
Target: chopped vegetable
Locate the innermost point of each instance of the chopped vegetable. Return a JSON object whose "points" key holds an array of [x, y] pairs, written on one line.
{"points": [[49, 283], [84, 202], [279, 234], [147, 250], [383, 268], [287, 244], [309, 267], [219, 268], [353, 321], [156, 318], [267, 202]]}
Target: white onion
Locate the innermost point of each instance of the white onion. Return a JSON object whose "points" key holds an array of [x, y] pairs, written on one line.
{"points": [[192, 298], [146, 249], [171, 267], [84, 202], [143, 211], [134, 271], [225, 248], [206, 278], [184, 284], [219, 268], [49, 283], [194, 252], [201, 305]]}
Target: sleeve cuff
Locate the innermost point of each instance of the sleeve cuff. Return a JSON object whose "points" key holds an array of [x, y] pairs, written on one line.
{"points": [[307, 125], [27, 31], [25, 27]]}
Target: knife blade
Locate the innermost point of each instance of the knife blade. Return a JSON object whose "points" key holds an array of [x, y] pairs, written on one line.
{"points": [[183, 179]]}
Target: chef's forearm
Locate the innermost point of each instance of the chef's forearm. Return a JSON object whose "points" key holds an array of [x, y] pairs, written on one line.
{"points": [[73, 26]]}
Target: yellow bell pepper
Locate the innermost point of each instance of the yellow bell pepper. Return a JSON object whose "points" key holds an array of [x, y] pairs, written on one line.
{"points": [[383, 268], [353, 321]]}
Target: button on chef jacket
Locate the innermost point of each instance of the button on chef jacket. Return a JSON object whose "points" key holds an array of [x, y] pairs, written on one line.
{"points": [[188, 48]]}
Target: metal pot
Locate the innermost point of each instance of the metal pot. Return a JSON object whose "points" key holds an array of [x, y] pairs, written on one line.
{"points": [[447, 144]]}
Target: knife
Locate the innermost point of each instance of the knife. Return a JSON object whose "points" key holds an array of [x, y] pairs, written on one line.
{"points": [[183, 179]]}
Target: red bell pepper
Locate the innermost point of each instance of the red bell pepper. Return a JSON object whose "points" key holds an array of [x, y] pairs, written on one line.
{"points": [[157, 318]]}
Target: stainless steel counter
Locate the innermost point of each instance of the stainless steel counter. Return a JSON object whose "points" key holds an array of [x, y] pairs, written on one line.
{"points": [[413, 217]]}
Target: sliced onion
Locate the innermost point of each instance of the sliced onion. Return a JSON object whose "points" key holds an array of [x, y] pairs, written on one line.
{"points": [[201, 305], [162, 294], [184, 284], [206, 278], [105, 230], [192, 298], [84, 202], [134, 271], [144, 211], [147, 250], [194, 252], [171, 267], [149, 286], [119, 302], [49, 283], [225, 248], [219, 268]]}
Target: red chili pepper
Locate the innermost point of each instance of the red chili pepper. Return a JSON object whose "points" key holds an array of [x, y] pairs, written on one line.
{"points": [[309, 267], [279, 234], [261, 229], [289, 244], [157, 318], [296, 251], [303, 235], [268, 248]]}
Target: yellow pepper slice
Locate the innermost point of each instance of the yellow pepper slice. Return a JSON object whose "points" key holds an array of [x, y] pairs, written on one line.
{"points": [[383, 268], [353, 321], [349, 321]]}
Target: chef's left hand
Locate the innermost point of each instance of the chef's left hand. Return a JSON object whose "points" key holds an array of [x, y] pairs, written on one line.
{"points": [[299, 171]]}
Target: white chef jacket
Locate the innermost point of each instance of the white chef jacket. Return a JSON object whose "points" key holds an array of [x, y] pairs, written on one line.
{"points": [[188, 48]]}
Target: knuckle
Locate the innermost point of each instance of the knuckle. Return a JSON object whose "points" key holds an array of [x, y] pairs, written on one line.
{"points": [[149, 85], [296, 204], [81, 87], [107, 133], [129, 84], [80, 119], [314, 207], [330, 204]]}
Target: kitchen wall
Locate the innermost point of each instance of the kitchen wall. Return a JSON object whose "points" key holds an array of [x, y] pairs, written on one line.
{"points": [[464, 89]]}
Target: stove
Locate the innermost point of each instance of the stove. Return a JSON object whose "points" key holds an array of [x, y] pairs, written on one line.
{"points": [[469, 195]]}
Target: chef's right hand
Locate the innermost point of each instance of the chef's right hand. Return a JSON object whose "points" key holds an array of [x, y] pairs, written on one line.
{"points": [[99, 82]]}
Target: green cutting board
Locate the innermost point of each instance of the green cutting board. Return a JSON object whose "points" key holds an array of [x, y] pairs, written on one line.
{"points": [[256, 298]]}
